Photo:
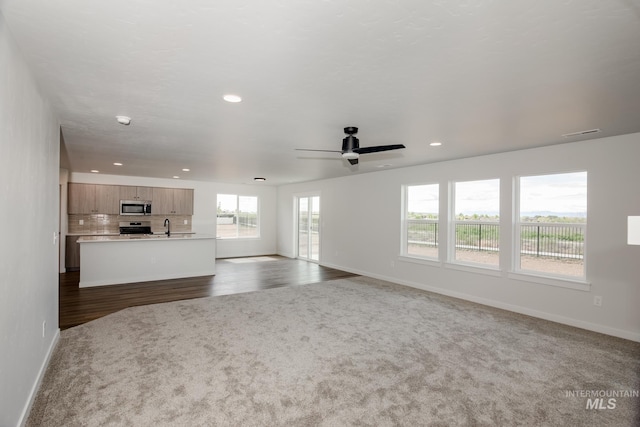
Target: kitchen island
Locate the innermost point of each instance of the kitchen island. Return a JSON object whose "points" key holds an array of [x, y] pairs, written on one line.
{"points": [[110, 260]]}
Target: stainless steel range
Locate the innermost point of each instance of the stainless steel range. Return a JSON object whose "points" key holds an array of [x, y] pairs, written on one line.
{"points": [[135, 227]]}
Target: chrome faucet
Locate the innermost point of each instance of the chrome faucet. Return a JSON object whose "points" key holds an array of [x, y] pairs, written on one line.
{"points": [[167, 224]]}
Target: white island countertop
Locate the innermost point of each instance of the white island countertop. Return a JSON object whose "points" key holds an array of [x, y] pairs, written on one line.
{"points": [[139, 237], [110, 260]]}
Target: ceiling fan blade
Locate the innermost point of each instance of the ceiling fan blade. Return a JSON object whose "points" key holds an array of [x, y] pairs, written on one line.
{"points": [[326, 151], [378, 148], [353, 161]]}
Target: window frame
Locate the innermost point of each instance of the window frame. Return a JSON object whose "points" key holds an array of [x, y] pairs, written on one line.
{"points": [[574, 282], [404, 240], [237, 217], [452, 262]]}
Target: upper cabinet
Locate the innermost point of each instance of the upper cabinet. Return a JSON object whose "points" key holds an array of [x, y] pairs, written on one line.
{"points": [[172, 201], [135, 193], [105, 199], [93, 199], [183, 201]]}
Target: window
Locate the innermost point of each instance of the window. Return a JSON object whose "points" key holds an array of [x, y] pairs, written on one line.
{"points": [[476, 222], [551, 224], [237, 216], [421, 221]]}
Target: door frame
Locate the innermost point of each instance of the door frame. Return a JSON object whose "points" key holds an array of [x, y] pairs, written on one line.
{"points": [[296, 222]]}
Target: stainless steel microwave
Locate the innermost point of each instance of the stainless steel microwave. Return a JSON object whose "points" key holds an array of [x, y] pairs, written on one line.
{"points": [[135, 207]]}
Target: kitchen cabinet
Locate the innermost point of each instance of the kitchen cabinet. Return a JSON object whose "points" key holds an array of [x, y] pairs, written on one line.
{"points": [[162, 201], [72, 254], [172, 201], [128, 192], [93, 199], [183, 201]]}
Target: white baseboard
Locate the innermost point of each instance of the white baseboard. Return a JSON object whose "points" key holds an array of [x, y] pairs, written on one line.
{"points": [[286, 255], [150, 278], [620, 333], [38, 382]]}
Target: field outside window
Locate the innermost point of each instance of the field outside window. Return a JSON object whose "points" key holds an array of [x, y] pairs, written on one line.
{"points": [[476, 222], [421, 221]]}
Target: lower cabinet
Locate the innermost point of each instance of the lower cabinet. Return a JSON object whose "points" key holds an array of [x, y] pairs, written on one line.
{"points": [[72, 254]]}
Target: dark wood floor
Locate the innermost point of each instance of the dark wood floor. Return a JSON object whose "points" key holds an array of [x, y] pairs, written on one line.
{"points": [[81, 305]]}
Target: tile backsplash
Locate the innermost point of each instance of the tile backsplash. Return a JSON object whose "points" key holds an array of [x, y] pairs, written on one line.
{"points": [[103, 223]]}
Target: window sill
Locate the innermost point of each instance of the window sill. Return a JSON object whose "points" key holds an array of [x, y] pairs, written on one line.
{"points": [[417, 260], [568, 283], [475, 268]]}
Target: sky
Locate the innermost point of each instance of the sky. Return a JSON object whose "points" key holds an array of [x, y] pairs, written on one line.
{"points": [[423, 198], [558, 193], [481, 197], [227, 202], [561, 193]]}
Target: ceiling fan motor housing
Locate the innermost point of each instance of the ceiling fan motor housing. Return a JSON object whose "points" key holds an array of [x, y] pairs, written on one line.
{"points": [[350, 142]]}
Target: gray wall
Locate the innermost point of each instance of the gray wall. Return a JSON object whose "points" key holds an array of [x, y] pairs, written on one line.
{"points": [[29, 158], [361, 218]]}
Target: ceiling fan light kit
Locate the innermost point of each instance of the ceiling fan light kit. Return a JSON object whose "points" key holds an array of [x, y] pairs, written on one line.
{"points": [[124, 120], [232, 98], [351, 149]]}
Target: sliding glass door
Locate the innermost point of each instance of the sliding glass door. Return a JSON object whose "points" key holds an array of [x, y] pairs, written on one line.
{"points": [[308, 224]]}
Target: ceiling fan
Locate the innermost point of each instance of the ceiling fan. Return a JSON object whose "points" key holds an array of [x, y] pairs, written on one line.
{"points": [[351, 149]]}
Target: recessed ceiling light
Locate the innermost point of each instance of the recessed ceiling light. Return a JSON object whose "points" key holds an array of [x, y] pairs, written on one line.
{"points": [[232, 98], [117, 164], [259, 179], [94, 171], [436, 144], [123, 120], [186, 170], [386, 165], [176, 176]]}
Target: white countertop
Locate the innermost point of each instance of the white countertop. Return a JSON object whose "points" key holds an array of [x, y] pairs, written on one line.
{"points": [[92, 234], [143, 237]]}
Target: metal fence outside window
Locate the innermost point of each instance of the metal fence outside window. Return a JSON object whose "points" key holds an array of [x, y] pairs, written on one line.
{"points": [[476, 235], [422, 232], [248, 220], [537, 239], [552, 240]]}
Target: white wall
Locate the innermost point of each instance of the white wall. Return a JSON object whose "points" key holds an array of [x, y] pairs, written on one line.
{"points": [[361, 231], [29, 158], [205, 207]]}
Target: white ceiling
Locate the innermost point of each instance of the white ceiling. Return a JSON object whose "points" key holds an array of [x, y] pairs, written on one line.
{"points": [[480, 76]]}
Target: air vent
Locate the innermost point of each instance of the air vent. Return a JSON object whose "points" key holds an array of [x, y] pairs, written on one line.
{"points": [[583, 132]]}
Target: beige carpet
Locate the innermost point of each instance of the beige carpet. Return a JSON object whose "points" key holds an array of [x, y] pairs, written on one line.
{"points": [[353, 351]]}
